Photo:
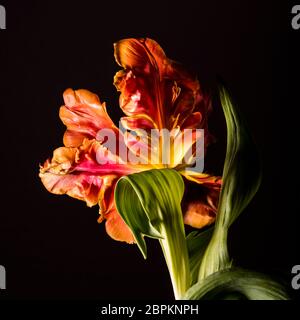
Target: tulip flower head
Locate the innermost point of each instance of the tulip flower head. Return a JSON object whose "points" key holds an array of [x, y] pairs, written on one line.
{"points": [[165, 126]]}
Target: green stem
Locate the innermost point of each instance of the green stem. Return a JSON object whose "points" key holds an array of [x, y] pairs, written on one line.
{"points": [[176, 255], [149, 203]]}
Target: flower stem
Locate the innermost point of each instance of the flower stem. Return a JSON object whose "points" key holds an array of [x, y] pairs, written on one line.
{"points": [[176, 256]]}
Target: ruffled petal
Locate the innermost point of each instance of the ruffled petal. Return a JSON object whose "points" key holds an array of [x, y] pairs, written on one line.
{"points": [[80, 186], [84, 115], [77, 172]]}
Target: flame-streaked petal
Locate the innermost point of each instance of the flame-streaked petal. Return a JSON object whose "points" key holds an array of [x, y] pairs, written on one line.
{"points": [[153, 85]]}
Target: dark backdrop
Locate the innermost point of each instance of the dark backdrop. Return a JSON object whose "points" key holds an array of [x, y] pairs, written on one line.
{"points": [[52, 246]]}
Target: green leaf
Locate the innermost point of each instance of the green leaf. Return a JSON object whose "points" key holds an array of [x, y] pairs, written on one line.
{"points": [[232, 284], [241, 180], [197, 243], [149, 203]]}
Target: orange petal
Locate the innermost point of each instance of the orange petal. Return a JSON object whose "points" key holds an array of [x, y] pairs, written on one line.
{"points": [[198, 215], [116, 227], [200, 201], [138, 54], [84, 115]]}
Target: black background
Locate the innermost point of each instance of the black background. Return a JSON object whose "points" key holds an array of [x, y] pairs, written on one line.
{"points": [[52, 246]]}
